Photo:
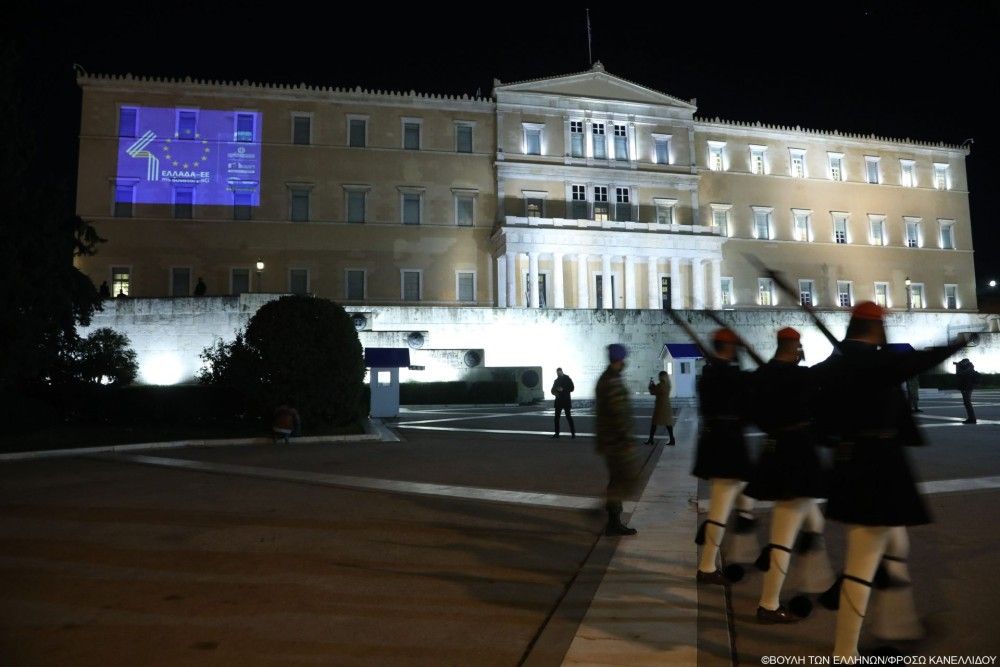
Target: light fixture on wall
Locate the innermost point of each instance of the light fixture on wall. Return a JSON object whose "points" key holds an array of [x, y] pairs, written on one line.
{"points": [[260, 274], [908, 295]]}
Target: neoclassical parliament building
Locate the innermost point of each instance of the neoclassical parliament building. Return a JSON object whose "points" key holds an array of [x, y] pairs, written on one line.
{"points": [[581, 191]]}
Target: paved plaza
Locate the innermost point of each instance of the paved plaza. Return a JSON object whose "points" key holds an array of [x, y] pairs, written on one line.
{"points": [[472, 538]]}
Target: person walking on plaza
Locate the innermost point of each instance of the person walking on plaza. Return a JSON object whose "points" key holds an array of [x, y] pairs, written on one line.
{"points": [[614, 438], [872, 489], [663, 412], [561, 389], [286, 423], [721, 456], [967, 377], [788, 472]]}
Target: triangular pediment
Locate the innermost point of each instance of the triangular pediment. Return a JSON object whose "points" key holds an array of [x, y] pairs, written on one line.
{"points": [[594, 84]]}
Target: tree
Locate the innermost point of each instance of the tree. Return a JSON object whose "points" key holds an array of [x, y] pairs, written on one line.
{"points": [[299, 350], [104, 357], [43, 296]]}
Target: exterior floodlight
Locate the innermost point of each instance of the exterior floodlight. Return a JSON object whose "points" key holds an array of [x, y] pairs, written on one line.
{"points": [[260, 267], [993, 283]]}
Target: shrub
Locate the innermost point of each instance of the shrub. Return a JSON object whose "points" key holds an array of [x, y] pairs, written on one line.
{"points": [[299, 350], [103, 357]]}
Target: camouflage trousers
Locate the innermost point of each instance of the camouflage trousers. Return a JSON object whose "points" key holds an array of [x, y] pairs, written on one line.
{"points": [[623, 473]]}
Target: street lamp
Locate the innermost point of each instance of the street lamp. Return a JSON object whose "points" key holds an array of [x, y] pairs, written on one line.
{"points": [[993, 283], [908, 293], [260, 270]]}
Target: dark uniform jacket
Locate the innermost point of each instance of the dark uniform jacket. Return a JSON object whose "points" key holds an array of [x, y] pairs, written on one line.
{"points": [[563, 397], [782, 399], [860, 391], [722, 451]]}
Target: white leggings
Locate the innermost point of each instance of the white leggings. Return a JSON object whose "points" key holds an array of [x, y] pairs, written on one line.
{"points": [[722, 496], [785, 523]]}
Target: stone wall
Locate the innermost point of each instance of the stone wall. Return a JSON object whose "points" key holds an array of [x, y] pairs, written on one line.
{"points": [[169, 334]]}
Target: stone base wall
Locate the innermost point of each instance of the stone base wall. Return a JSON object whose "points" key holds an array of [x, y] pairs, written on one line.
{"points": [[169, 335]]}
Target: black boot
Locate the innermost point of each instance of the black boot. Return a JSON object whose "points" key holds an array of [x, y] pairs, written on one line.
{"points": [[615, 525]]}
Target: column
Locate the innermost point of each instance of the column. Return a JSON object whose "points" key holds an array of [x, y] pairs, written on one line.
{"points": [[653, 283], [606, 302], [629, 282], [676, 292], [558, 298], [532, 280], [501, 281], [698, 284], [715, 284], [511, 279], [582, 288]]}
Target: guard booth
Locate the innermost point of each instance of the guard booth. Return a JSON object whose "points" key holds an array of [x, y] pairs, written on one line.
{"points": [[384, 364], [680, 360]]}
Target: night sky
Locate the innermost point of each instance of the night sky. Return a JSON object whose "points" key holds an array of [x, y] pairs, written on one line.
{"points": [[924, 71]]}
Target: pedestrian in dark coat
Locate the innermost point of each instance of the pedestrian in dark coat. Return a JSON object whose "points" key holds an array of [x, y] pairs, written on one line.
{"points": [[967, 376], [663, 412], [561, 389], [721, 455], [873, 489], [614, 438], [789, 472]]}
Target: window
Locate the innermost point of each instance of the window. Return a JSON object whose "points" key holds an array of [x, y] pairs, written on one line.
{"points": [[757, 156], [534, 207], [762, 222], [411, 285], [765, 292], [532, 138], [917, 295], [411, 134], [871, 169], [239, 281], [301, 129], [355, 284], [806, 293], [623, 209], [665, 211], [908, 175], [600, 203], [798, 162], [621, 142], [912, 232], [947, 235], [466, 285], [244, 127], [576, 138], [665, 299], [801, 225], [579, 194], [716, 155], [124, 196], [845, 296], [184, 203], [300, 204], [127, 120], [599, 289], [411, 208], [180, 282], [463, 138], [542, 294], [298, 281], [941, 180], [882, 295], [464, 209], [357, 204], [121, 278], [242, 204], [357, 132], [951, 297], [840, 228], [187, 124], [720, 218], [600, 141], [876, 224], [728, 298], [661, 148], [836, 166]]}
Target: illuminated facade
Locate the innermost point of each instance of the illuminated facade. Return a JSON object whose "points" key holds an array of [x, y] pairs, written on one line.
{"points": [[579, 191]]}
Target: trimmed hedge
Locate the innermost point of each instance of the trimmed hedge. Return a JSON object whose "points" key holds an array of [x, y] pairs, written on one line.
{"points": [[950, 381], [437, 393]]}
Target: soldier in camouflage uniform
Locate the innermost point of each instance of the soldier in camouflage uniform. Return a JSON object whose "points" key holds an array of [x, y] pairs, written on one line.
{"points": [[614, 438]]}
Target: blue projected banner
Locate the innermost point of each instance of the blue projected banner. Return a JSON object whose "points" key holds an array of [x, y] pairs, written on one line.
{"points": [[188, 156]]}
